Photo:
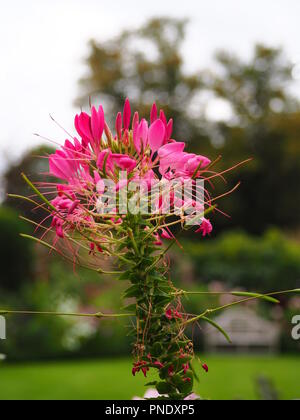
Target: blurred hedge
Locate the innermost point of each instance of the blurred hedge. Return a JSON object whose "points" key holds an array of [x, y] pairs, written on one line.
{"points": [[16, 254], [267, 263]]}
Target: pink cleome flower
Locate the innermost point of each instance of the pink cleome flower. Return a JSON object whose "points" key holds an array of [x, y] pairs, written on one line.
{"points": [[145, 152]]}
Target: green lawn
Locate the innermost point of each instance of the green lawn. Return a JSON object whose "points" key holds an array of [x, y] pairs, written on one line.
{"points": [[229, 377]]}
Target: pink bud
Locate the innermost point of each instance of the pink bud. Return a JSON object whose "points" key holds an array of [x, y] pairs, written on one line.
{"points": [[171, 371], [119, 125], [158, 364], [135, 120], [205, 367], [97, 123], [127, 114], [185, 367], [169, 314], [153, 114], [107, 131], [162, 117], [177, 314], [83, 125], [169, 129]]}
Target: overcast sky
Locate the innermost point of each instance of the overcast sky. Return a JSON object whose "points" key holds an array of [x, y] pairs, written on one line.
{"points": [[43, 44]]}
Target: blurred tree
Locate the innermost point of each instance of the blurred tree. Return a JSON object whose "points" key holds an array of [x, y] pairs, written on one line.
{"points": [[36, 167], [239, 260], [146, 65], [256, 89], [265, 125]]}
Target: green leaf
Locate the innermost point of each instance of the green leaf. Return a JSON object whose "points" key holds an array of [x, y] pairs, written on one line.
{"points": [[133, 291], [185, 386], [218, 327], [125, 276], [129, 308], [164, 388], [156, 349], [154, 383], [38, 192], [256, 295]]}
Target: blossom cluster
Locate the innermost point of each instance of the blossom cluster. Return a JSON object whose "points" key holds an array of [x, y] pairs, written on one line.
{"points": [[145, 152]]}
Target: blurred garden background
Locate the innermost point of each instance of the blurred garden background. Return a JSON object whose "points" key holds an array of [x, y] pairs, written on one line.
{"points": [[240, 103]]}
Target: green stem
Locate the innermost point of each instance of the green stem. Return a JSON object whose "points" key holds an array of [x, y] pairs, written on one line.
{"points": [[229, 305], [72, 314]]}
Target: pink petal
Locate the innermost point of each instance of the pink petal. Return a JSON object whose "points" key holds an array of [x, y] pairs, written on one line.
{"points": [[170, 149], [156, 135], [54, 169], [141, 136], [204, 161], [127, 114]]}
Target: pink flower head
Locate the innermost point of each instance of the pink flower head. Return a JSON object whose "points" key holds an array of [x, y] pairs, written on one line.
{"points": [[97, 160]]}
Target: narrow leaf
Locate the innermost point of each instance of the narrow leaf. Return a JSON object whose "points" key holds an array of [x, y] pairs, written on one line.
{"points": [[218, 327], [256, 295], [38, 192]]}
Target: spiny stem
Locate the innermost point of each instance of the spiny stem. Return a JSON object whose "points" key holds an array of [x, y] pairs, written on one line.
{"points": [[131, 236], [72, 314]]}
